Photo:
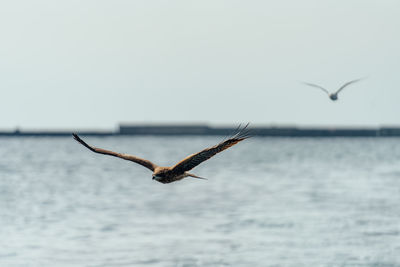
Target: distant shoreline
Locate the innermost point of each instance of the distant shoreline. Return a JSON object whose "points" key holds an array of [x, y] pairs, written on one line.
{"points": [[205, 130]]}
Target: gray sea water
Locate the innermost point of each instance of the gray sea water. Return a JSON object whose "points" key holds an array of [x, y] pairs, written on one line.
{"points": [[268, 202]]}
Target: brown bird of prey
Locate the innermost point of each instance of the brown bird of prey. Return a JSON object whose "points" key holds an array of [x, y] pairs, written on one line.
{"points": [[333, 96], [180, 170]]}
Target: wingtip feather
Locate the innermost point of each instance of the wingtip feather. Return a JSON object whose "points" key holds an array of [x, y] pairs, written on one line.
{"points": [[76, 137], [242, 133]]}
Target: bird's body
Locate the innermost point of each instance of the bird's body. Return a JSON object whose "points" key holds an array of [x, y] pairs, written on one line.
{"points": [[166, 175], [180, 170], [332, 96]]}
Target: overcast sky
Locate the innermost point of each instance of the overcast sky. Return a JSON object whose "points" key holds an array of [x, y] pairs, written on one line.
{"points": [[94, 64]]}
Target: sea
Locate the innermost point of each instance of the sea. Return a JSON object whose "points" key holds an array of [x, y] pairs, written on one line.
{"points": [[266, 202]]}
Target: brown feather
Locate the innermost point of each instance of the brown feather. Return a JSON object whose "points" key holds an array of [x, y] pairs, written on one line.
{"points": [[193, 160], [146, 163]]}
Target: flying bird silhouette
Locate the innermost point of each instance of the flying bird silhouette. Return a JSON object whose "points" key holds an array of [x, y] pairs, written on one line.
{"points": [[180, 170], [332, 96]]}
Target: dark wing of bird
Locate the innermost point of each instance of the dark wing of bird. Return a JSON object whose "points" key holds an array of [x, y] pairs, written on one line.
{"points": [[346, 84], [146, 163], [193, 160], [317, 86]]}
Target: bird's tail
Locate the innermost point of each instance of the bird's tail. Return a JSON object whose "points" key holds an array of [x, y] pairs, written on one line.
{"points": [[195, 176]]}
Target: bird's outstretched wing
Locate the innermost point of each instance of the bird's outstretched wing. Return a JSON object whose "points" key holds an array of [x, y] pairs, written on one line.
{"points": [[317, 86], [346, 84], [193, 160], [146, 163]]}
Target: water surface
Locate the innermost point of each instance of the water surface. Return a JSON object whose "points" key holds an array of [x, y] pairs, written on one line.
{"points": [[268, 202]]}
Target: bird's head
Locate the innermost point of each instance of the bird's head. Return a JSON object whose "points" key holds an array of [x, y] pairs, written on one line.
{"points": [[159, 175]]}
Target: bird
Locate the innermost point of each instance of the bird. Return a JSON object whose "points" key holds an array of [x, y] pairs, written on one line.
{"points": [[333, 96], [180, 170]]}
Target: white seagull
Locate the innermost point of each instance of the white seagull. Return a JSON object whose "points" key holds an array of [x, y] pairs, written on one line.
{"points": [[332, 96]]}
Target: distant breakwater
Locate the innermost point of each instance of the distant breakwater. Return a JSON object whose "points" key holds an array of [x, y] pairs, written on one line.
{"points": [[205, 130]]}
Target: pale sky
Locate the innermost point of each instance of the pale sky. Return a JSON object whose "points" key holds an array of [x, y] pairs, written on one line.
{"points": [[94, 64]]}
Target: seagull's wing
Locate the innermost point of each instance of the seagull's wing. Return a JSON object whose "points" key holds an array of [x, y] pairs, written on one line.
{"points": [[146, 163], [317, 86], [346, 84], [193, 160]]}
